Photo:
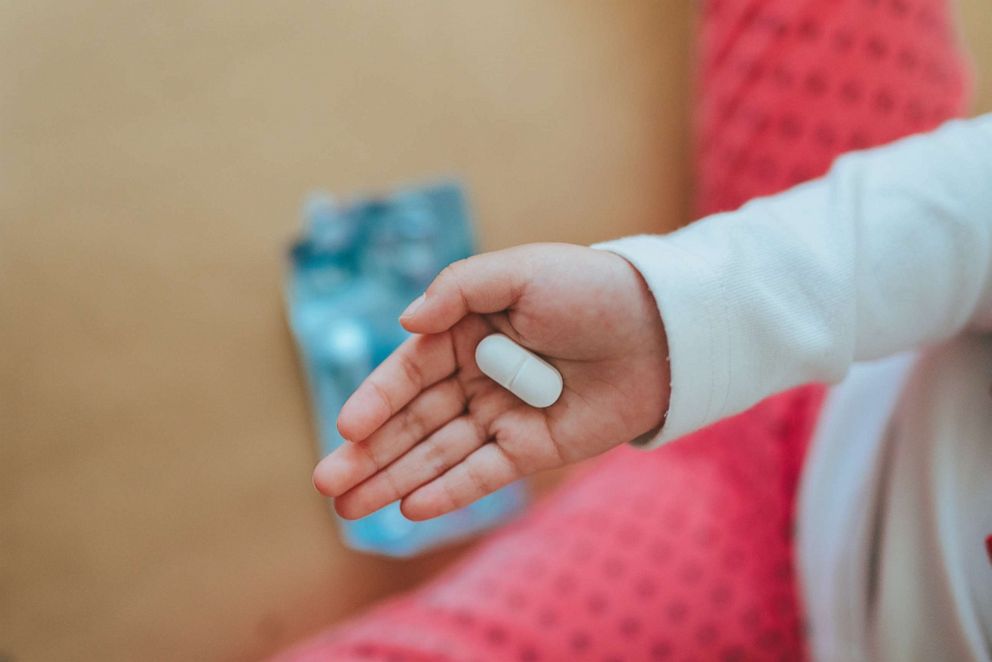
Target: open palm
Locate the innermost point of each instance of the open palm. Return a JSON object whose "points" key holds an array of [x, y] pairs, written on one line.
{"points": [[429, 428]]}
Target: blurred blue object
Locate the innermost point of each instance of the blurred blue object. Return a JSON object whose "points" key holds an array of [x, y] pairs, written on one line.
{"points": [[352, 272]]}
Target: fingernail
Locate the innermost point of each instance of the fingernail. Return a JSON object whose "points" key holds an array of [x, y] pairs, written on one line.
{"points": [[412, 308]]}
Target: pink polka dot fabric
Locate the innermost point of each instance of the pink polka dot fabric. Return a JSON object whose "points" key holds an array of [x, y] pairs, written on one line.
{"points": [[785, 86], [672, 555], [686, 552]]}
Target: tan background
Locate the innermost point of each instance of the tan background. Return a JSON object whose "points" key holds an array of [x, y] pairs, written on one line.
{"points": [[155, 446]]}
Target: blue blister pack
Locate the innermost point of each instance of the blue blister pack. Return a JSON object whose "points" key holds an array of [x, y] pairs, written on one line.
{"points": [[352, 272]]}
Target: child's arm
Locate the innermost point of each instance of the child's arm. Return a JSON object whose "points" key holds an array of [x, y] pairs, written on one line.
{"points": [[892, 249]]}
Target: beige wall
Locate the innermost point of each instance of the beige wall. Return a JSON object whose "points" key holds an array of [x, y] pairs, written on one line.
{"points": [[976, 22], [155, 500]]}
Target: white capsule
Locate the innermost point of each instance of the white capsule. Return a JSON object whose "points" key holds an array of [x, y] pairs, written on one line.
{"points": [[521, 372]]}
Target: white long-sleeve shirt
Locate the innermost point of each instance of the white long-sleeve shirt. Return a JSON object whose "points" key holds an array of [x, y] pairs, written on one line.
{"points": [[891, 251]]}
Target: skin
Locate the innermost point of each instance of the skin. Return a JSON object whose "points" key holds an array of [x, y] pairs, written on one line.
{"points": [[429, 429]]}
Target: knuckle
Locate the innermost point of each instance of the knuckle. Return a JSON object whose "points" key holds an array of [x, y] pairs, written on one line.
{"points": [[372, 456], [383, 395], [392, 486], [447, 275], [413, 423], [435, 456], [452, 276], [448, 490], [480, 481], [412, 371], [455, 269]]}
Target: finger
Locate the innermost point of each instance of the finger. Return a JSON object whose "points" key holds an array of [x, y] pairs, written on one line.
{"points": [[484, 471], [350, 464], [500, 322], [426, 461], [484, 283], [417, 364]]}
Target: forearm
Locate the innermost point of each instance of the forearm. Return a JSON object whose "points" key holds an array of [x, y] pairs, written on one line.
{"points": [[890, 250]]}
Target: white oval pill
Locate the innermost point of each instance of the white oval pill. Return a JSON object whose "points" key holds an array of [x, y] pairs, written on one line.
{"points": [[520, 371]]}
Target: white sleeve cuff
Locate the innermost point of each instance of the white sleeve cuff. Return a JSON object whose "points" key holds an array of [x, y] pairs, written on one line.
{"points": [[693, 310], [889, 251]]}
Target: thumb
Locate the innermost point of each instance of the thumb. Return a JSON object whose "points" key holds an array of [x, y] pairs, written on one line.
{"points": [[487, 283]]}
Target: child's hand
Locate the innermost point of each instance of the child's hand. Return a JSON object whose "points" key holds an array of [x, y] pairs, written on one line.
{"points": [[429, 428]]}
